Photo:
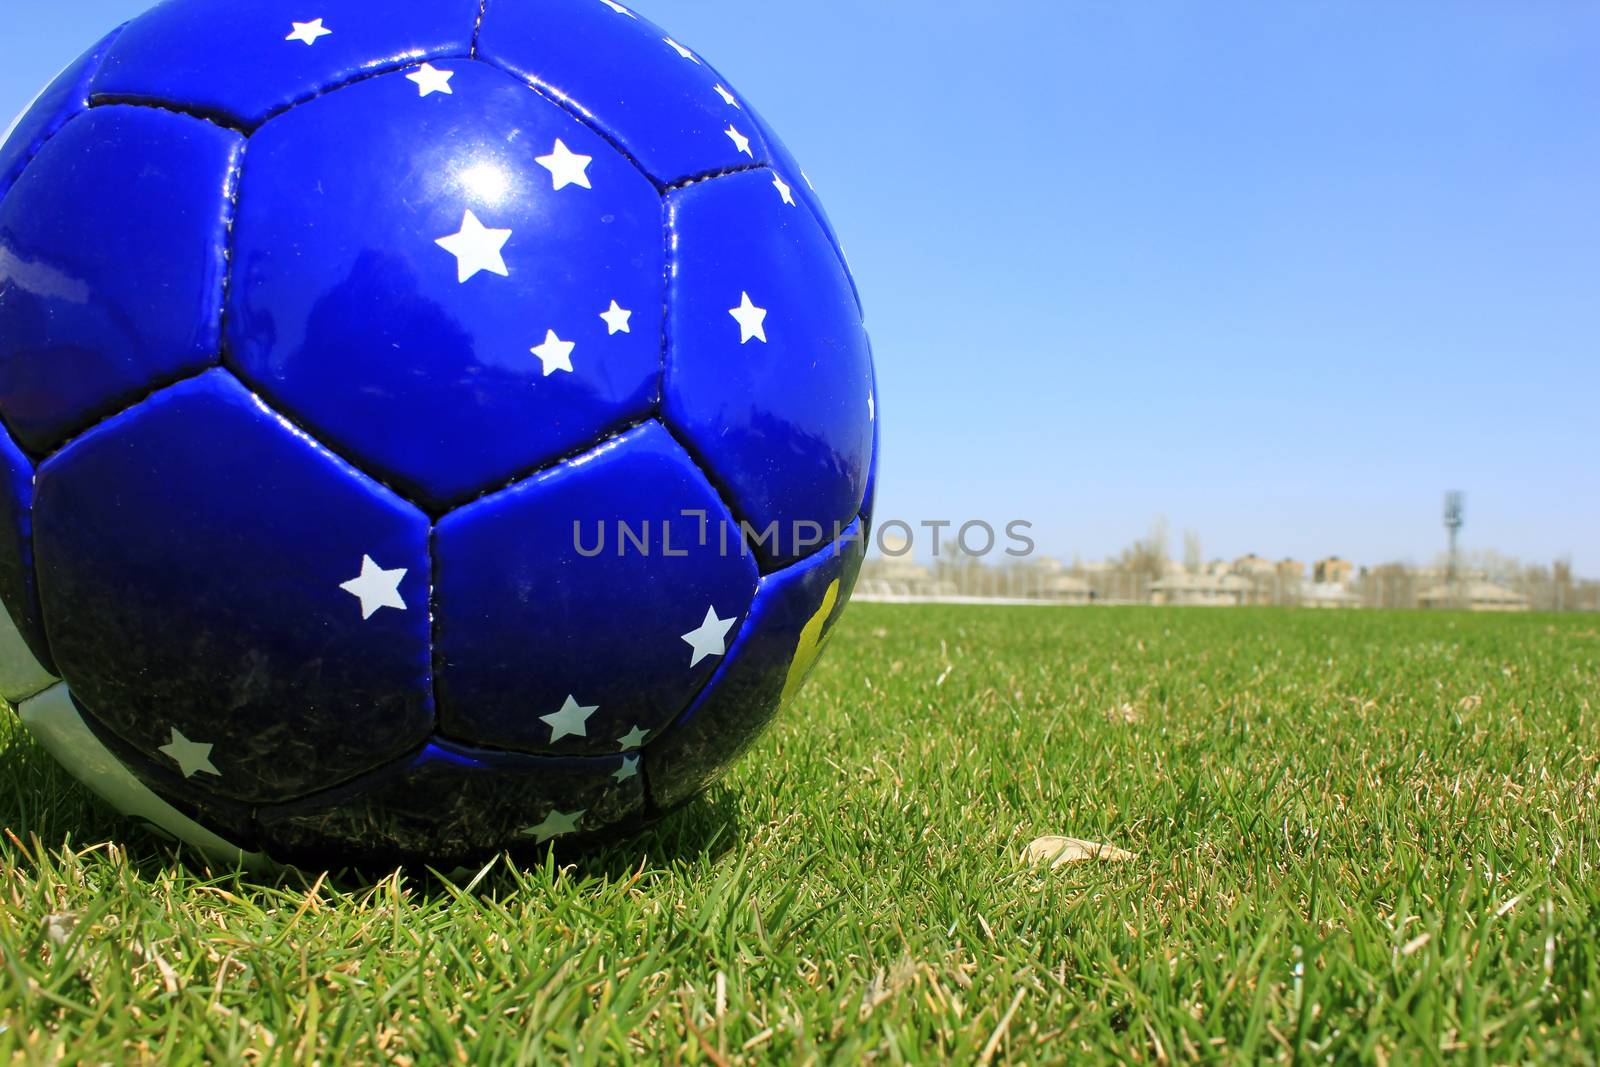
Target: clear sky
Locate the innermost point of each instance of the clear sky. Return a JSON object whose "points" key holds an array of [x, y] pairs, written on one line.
{"points": [[1283, 273]]}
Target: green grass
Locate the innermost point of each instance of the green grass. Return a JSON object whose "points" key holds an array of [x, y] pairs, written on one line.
{"points": [[1360, 837]]}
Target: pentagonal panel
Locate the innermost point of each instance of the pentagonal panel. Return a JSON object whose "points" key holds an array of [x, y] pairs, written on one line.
{"points": [[237, 604], [768, 371], [28, 665], [244, 60], [111, 266], [580, 610], [63, 98], [790, 623], [450, 804], [656, 98], [451, 288]]}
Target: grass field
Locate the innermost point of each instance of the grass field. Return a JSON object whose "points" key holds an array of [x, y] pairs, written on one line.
{"points": [[1359, 837]]}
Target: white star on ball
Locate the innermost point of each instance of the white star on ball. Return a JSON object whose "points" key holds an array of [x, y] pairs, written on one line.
{"points": [[309, 32], [554, 825], [431, 79], [710, 638], [571, 721], [555, 353], [566, 167], [376, 588], [192, 757], [476, 248], [752, 320]]}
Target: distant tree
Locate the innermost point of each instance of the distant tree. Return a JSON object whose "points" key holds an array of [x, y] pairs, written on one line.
{"points": [[1193, 558], [1562, 589], [1147, 558]]}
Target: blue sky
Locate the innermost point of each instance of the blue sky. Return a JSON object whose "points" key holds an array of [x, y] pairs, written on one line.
{"points": [[1282, 273]]}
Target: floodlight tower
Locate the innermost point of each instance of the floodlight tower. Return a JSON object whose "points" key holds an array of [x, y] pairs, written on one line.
{"points": [[1454, 508]]}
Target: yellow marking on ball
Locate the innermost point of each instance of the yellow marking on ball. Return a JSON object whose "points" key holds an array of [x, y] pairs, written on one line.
{"points": [[813, 638]]}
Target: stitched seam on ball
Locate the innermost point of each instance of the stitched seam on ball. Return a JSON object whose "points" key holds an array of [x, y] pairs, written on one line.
{"points": [[685, 713], [214, 118], [805, 202], [606, 437], [713, 175], [477, 27], [834, 547], [139, 401], [29, 156], [228, 121], [231, 212], [31, 581], [811, 209], [669, 239], [724, 497], [555, 97], [650, 807], [435, 736], [279, 412], [433, 623]]}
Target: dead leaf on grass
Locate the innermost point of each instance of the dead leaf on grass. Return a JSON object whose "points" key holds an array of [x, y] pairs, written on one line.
{"points": [[1057, 851], [58, 928], [1123, 713]]}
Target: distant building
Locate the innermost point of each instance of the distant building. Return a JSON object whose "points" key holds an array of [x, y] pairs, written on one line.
{"points": [[1328, 595], [1046, 578], [899, 579], [1333, 570], [1253, 566], [896, 576], [1291, 570], [1201, 590], [1473, 596], [1067, 589]]}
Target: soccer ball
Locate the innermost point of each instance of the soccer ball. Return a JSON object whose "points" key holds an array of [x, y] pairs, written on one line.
{"points": [[430, 426]]}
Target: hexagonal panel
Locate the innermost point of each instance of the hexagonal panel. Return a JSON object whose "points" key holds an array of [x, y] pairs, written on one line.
{"points": [[452, 804], [57, 102], [794, 614], [768, 369], [451, 289], [661, 102], [111, 266], [245, 60], [25, 665], [237, 604], [559, 630]]}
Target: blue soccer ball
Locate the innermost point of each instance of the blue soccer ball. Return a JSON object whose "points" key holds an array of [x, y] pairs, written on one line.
{"points": [[430, 426]]}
